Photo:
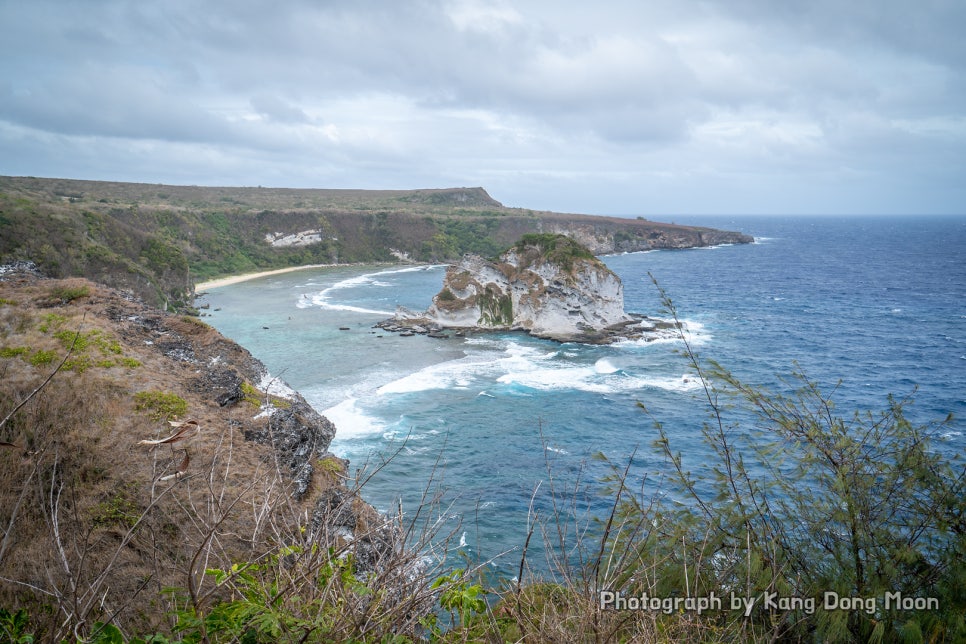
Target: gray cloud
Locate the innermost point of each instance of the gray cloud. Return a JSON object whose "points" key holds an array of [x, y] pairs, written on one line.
{"points": [[730, 106]]}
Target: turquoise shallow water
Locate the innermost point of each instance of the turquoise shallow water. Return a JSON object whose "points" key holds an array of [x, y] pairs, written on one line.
{"points": [[872, 306]]}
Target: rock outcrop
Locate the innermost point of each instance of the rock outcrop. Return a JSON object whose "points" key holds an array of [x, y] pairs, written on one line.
{"points": [[547, 285]]}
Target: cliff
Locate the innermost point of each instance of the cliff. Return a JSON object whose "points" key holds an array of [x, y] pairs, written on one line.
{"points": [[157, 241], [547, 285], [98, 521]]}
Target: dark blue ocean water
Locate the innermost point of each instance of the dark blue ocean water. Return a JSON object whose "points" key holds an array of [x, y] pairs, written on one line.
{"points": [[865, 306]]}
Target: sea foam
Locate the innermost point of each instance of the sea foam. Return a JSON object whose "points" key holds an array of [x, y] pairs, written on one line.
{"points": [[518, 365], [326, 298], [351, 421]]}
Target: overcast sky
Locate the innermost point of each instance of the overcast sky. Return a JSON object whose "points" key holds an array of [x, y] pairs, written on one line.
{"points": [[644, 107]]}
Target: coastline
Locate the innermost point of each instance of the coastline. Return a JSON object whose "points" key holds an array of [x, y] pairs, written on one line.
{"points": [[244, 277]]}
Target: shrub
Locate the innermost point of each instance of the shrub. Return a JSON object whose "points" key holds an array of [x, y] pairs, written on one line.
{"points": [[252, 395], [160, 405], [41, 358], [52, 321], [255, 398], [13, 352], [120, 509], [194, 320], [556, 248], [67, 293], [446, 295], [812, 503]]}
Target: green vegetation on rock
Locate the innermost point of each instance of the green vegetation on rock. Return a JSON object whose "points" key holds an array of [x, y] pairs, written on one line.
{"points": [[496, 310], [555, 248]]}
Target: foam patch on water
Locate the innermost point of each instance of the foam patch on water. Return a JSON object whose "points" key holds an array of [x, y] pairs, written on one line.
{"points": [[605, 366], [326, 298], [587, 379], [351, 421], [515, 368], [455, 374], [695, 332]]}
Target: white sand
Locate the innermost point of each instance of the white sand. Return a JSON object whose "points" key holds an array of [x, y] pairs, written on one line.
{"points": [[235, 279]]}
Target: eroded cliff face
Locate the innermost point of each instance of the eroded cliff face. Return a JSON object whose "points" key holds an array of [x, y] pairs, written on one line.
{"points": [[563, 294]]}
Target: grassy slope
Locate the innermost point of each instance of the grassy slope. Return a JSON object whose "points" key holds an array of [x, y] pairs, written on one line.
{"points": [[70, 458]]}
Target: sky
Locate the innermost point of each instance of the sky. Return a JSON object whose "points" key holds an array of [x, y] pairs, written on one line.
{"points": [[643, 107]]}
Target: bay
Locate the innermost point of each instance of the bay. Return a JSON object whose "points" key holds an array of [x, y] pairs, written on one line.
{"points": [[866, 306]]}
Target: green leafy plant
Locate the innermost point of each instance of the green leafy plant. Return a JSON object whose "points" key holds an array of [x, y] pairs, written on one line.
{"points": [[15, 627], [52, 321], [42, 358], [120, 509], [13, 352], [263, 608], [460, 598]]}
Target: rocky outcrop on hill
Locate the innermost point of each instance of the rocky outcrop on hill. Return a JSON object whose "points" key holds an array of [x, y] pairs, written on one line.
{"points": [[547, 285]]}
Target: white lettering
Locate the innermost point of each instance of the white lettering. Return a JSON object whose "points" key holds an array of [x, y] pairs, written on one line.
{"points": [[607, 598], [897, 601], [745, 604], [831, 600]]}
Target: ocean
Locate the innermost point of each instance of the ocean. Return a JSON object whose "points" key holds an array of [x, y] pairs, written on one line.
{"points": [[498, 428]]}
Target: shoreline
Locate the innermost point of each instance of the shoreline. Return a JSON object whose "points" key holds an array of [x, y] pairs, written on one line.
{"points": [[244, 277]]}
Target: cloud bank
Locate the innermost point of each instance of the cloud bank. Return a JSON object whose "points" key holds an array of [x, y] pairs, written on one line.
{"points": [[661, 107]]}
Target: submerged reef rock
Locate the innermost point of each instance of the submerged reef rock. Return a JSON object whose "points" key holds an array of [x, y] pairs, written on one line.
{"points": [[548, 285]]}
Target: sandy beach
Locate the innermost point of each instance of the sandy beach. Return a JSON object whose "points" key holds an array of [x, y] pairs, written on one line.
{"points": [[235, 279]]}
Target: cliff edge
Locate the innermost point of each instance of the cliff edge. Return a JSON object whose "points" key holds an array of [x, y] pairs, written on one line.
{"points": [[140, 449]]}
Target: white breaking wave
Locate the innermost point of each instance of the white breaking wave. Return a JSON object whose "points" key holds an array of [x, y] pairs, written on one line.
{"points": [[605, 366], [695, 332], [587, 379], [533, 368], [351, 421], [323, 299], [455, 374]]}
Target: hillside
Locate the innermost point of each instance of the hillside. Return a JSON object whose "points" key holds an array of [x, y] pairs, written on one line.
{"points": [[157, 241], [96, 524]]}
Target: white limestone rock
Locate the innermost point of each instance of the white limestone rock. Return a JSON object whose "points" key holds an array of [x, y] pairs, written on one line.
{"points": [[547, 285]]}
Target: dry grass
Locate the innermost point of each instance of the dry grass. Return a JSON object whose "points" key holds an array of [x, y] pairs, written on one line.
{"points": [[94, 524]]}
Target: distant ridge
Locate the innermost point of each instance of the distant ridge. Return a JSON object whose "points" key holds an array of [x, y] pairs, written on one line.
{"points": [[157, 241]]}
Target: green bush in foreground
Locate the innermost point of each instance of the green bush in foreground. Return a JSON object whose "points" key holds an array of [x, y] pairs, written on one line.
{"points": [[837, 528]]}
